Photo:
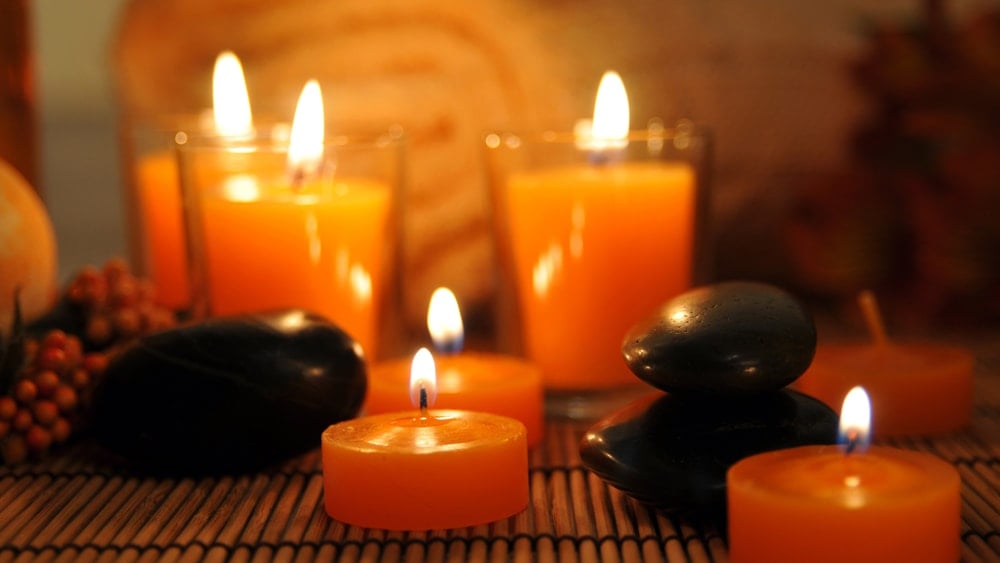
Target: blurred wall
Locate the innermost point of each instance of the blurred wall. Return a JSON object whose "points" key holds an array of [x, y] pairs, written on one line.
{"points": [[78, 152]]}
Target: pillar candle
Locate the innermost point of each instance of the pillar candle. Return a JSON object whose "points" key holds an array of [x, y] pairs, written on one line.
{"points": [[299, 224], [157, 184], [314, 248], [597, 242], [159, 205], [596, 247]]}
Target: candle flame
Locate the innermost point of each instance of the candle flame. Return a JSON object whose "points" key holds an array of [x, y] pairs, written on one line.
{"points": [[444, 321], [855, 420], [305, 145], [423, 380], [609, 129], [230, 100]]}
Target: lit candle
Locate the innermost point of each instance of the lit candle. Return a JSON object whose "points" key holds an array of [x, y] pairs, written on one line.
{"points": [[596, 244], [492, 383], [425, 470], [158, 195], [903, 379], [293, 237], [836, 504]]}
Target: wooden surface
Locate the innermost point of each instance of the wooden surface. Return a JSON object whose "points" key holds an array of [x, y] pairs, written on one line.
{"points": [[77, 507]]}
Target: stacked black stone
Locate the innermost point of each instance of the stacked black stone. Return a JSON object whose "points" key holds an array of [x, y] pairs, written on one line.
{"points": [[723, 355]]}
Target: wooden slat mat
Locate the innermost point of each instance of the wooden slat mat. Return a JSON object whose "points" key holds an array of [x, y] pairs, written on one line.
{"points": [[76, 507]]}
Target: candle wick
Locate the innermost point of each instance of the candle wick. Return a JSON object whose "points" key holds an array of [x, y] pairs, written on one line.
{"points": [[423, 402], [298, 177], [604, 156], [873, 318], [451, 346], [852, 442]]}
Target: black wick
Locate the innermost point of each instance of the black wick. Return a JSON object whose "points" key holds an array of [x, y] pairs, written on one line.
{"points": [[852, 441]]}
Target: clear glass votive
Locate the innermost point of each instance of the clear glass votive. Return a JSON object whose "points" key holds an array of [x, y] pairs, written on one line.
{"points": [[589, 242], [262, 237], [154, 220]]}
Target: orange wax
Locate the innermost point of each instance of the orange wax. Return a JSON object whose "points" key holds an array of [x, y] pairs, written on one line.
{"points": [[323, 252], [596, 248], [468, 381], [814, 503], [399, 471], [915, 389], [162, 225]]}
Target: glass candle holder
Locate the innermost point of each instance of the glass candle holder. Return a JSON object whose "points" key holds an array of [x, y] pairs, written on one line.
{"points": [[262, 238], [155, 223], [589, 242]]}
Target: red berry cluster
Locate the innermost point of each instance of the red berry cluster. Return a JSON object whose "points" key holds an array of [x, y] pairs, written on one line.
{"points": [[42, 408], [117, 305]]}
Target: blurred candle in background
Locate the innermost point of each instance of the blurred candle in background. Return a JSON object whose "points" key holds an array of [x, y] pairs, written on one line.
{"points": [[287, 224], [157, 191], [471, 381], [600, 229], [903, 379]]}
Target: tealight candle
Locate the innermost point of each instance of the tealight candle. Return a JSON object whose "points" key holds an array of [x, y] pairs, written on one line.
{"points": [[158, 195], [835, 504], [425, 470], [482, 382], [903, 379]]}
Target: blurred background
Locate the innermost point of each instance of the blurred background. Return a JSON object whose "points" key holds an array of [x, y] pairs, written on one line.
{"points": [[857, 143], [78, 148]]}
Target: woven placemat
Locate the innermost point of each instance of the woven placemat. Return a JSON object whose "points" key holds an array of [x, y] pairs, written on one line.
{"points": [[76, 507]]}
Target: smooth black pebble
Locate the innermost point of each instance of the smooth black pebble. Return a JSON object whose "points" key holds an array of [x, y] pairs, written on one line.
{"points": [[228, 394], [672, 452], [731, 337]]}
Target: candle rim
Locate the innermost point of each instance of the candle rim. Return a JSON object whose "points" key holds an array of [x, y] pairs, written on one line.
{"points": [[934, 476], [355, 434]]}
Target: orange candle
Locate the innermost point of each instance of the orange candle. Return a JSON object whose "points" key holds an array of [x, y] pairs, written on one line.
{"points": [[820, 504], [425, 470], [159, 202], [271, 238], [916, 388], [596, 246], [158, 189], [318, 249], [468, 381], [903, 380]]}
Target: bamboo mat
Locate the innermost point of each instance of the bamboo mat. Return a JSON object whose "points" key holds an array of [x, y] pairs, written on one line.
{"points": [[77, 507]]}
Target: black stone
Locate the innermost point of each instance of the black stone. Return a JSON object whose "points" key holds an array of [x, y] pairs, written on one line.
{"points": [[672, 451], [732, 337], [228, 395]]}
